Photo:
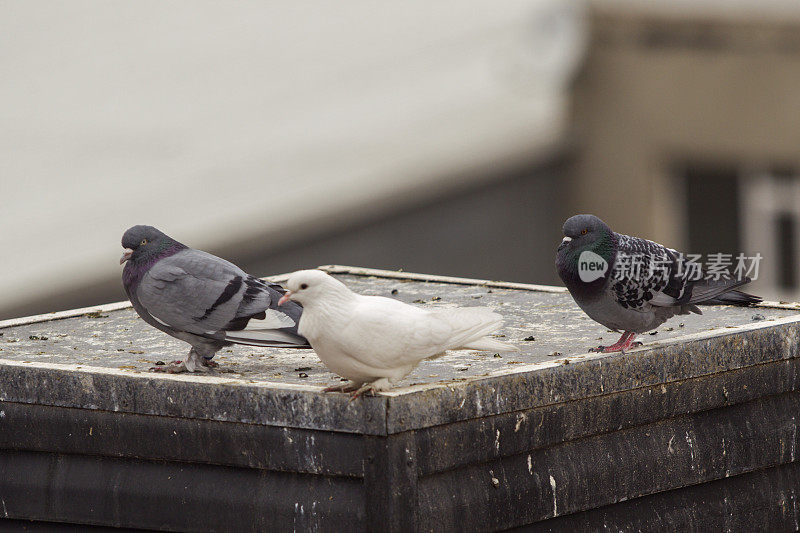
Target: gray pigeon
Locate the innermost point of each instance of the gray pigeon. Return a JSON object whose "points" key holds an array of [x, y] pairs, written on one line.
{"points": [[634, 285], [202, 299]]}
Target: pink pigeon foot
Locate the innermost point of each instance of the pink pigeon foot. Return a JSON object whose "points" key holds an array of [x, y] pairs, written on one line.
{"points": [[624, 343], [344, 387], [175, 367]]}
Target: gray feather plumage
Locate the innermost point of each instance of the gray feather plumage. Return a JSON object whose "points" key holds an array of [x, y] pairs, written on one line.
{"points": [[180, 289], [647, 283], [207, 301]]}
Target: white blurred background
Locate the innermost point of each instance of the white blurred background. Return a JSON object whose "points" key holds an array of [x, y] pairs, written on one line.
{"points": [[444, 137], [246, 127]]}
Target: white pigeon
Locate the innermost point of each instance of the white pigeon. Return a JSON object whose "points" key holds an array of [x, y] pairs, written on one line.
{"points": [[375, 341]]}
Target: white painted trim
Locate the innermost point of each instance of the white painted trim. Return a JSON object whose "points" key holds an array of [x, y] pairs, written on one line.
{"points": [[58, 315], [392, 274], [344, 269], [331, 269], [187, 377]]}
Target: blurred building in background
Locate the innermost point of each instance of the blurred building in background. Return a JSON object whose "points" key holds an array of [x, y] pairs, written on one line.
{"points": [[450, 139], [687, 127]]}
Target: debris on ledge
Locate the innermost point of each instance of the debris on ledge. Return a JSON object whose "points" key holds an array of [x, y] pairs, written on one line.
{"points": [[518, 424]]}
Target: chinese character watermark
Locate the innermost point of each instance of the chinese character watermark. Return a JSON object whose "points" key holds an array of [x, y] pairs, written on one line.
{"points": [[689, 267]]}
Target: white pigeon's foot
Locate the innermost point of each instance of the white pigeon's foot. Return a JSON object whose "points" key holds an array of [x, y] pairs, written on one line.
{"points": [[371, 388], [350, 386], [209, 363]]}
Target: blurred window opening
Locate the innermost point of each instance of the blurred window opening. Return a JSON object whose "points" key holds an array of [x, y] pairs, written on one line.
{"points": [[712, 199], [770, 208], [732, 208], [785, 224]]}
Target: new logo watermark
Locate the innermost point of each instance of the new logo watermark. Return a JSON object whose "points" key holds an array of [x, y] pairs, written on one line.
{"points": [[591, 266]]}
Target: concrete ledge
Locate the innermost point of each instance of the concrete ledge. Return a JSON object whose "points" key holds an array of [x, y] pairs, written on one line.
{"points": [[468, 442]]}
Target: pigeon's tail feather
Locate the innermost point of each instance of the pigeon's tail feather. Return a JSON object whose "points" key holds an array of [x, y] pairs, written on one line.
{"points": [[722, 292], [471, 325], [270, 319], [734, 297], [268, 338], [270, 329], [489, 344]]}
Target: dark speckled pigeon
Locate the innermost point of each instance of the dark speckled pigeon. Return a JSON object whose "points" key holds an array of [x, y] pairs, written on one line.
{"points": [[634, 285], [202, 299]]}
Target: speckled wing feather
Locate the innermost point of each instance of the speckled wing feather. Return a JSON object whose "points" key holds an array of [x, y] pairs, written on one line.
{"points": [[646, 272]]}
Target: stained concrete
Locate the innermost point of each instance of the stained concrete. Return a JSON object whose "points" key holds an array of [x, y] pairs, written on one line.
{"points": [[121, 340], [468, 442], [115, 346]]}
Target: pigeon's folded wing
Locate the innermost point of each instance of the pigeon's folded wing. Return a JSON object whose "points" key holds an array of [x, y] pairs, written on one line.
{"points": [[663, 277], [471, 328], [386, 333], [202, 294], [646, 272], [393, 334]]}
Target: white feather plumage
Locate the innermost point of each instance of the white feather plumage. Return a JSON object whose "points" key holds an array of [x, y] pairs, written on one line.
{"points": [[377, 340]]}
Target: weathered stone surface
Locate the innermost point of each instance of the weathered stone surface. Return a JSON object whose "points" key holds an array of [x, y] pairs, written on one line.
{"points": [[101, 361], [468, 442]]}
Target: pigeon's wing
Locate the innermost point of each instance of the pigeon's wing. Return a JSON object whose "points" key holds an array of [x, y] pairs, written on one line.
{"points": [[646, 272], [203, 294], [259, 321], [471, 327], [390, 334], [386, 333]]}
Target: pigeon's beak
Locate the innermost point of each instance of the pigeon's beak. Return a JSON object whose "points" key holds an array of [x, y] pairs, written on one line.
{"points": [[564, 242], [125, 255], [285, 298]]}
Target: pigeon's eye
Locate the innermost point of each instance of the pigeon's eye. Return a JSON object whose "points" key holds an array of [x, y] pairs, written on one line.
{"points": [[304, 286], [144, 241], [584, 231]]}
